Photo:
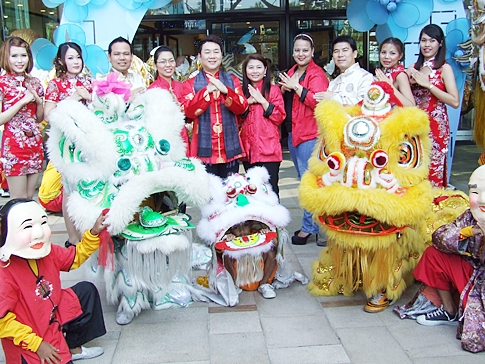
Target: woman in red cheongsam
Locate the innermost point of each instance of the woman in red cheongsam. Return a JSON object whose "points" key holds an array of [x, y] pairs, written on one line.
{"points": [[21, 111], [68, 84], [391, 51], [434, 87]]}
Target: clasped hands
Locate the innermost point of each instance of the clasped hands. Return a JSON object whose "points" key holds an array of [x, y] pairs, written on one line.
{"points": [[215, 85]]}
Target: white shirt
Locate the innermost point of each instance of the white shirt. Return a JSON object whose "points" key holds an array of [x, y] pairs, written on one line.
{"points": [[351, 85]]}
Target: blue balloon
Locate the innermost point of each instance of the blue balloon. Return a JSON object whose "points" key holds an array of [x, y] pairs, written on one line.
{"points": [[96, 60], [376, 12], [425, 7], [384, 2], [53, 3], [391, 7], [129, 4], [98, 2], [67, 32], [406, 15], [461, 24], [452, 40], [38, 44], [459, 53], [45, 56], [157, 4], [75, 13], [81, 2], [358, 19], [390, 30]]}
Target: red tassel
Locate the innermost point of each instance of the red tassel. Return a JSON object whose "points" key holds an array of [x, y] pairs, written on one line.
{"points": [[106, 255]]}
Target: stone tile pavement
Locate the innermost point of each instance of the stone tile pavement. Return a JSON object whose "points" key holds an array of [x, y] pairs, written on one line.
{"points": [[295, 327]]}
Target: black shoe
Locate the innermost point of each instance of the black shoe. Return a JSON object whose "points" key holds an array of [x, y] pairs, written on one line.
{"points": [[298, 240], [296, 232], [437, 317]]}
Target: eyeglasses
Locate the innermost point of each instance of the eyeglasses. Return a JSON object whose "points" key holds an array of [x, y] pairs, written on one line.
{"points": [[163, 62]]}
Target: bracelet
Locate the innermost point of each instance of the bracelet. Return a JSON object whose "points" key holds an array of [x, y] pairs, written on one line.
{"points": [[430, 87]]}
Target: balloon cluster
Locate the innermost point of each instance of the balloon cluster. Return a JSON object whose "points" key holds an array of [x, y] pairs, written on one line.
{"points": [[391, 5]]}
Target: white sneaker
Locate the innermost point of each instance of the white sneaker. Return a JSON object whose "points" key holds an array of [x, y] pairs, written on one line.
{"points": [[267, 290], [88, 353], [4, 193]]}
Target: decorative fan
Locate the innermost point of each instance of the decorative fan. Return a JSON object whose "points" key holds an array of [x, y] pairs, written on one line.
{"points": [[393, 17]]}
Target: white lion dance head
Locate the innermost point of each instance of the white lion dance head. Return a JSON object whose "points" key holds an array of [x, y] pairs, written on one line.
{"points": [[130, 159], [245, 208], [115, 157]]}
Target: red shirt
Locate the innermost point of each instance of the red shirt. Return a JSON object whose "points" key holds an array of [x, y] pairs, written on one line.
{"points": [[20, 293]]}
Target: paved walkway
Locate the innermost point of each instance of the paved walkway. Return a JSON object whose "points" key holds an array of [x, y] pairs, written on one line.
{"points": [[295, 327]]}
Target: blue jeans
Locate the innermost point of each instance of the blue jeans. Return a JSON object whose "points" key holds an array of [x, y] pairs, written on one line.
{"points": [[300, 155]]}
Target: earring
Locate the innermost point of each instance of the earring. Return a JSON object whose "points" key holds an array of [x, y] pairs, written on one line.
{"points": [[5, 266]]}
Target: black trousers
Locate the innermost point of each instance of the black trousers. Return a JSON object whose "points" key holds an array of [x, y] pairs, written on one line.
{"points": [[223, 169], [273, 170], [90, 324]]}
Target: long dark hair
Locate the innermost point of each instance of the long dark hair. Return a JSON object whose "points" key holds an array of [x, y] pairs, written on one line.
{"points": [[4, 211], [266, 79], [60, 59], [433, 31]]}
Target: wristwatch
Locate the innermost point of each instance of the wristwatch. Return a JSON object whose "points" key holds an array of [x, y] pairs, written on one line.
{"points": [[296, 87]]}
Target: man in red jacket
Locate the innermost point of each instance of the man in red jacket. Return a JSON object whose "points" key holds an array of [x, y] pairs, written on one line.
{"points": [[213, 99]]}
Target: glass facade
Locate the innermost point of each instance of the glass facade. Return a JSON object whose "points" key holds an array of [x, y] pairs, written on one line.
{"points": [[30, 18]]}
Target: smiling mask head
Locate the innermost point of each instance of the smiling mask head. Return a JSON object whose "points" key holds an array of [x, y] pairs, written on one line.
{"points": [[24, 230], [477, 195]]}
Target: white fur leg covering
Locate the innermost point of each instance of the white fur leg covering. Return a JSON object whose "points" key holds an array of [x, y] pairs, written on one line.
{"points": [[154, 270], [133, 303]]}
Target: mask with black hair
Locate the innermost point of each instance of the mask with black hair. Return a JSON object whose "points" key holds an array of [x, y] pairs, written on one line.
{"points": [[24, 230]]}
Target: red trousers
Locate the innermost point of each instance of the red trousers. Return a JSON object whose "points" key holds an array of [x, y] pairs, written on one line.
{"points": [[443, 271]]}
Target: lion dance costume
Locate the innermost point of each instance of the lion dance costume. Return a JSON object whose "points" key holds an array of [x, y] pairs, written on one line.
{"points": [[244, 199], [366, 186], [130, 159]]}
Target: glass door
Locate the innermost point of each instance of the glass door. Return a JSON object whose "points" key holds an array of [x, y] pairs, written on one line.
{"points": [[243, 38]]}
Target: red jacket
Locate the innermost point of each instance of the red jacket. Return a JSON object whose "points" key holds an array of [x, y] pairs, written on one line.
{"points": [[260, 134], [196, 103], [303, 123]]}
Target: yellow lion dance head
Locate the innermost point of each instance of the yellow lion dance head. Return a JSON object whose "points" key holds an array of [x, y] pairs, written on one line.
{"points": [[367, 187]]}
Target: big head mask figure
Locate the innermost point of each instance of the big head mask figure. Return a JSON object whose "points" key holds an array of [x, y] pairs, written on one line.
{"points": [[24, 230], [477, 196]]}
